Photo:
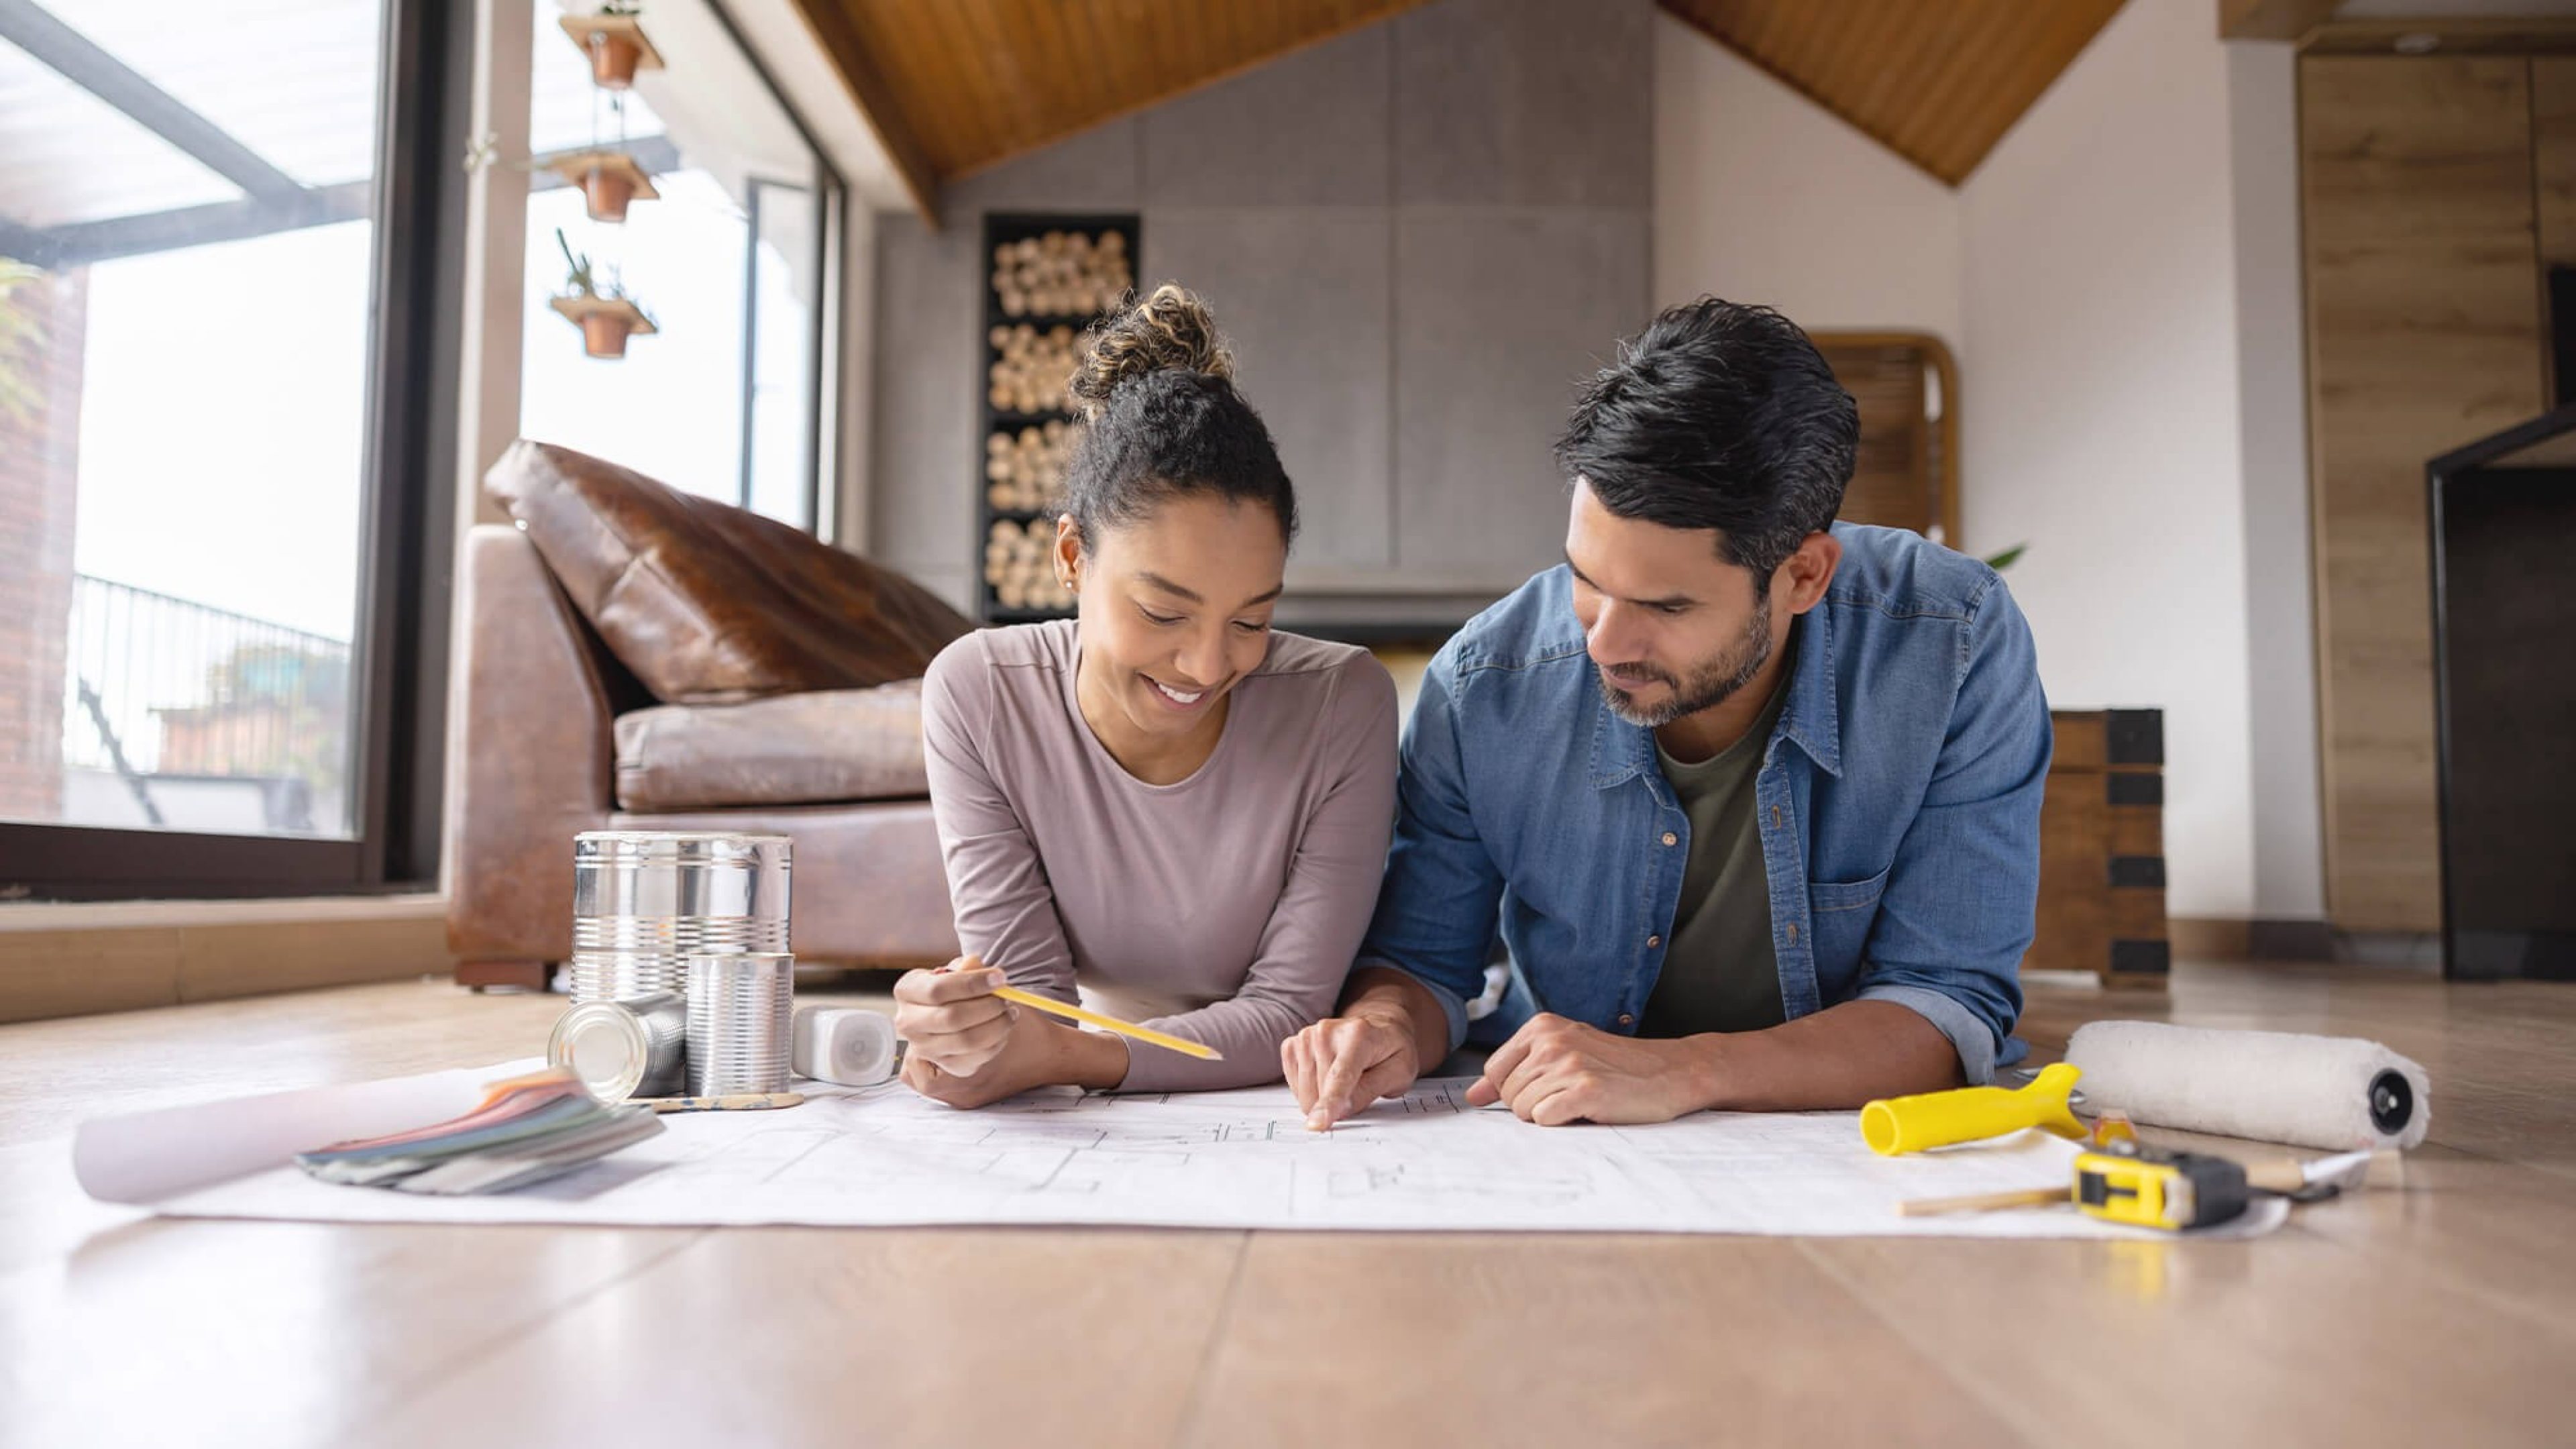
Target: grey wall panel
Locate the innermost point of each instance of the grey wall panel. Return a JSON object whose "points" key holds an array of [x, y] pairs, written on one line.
{"points": [[1525, 103], [1310, 129], [1498, 314], [1099, 170], [1303, 296], [922, 454], [1421, 234]]}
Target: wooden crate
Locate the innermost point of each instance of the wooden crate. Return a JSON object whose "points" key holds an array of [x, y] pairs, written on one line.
{"points": [[2102, 850]]}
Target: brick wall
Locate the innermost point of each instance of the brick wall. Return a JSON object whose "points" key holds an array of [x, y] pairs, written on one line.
{"points": [[39, 472]]}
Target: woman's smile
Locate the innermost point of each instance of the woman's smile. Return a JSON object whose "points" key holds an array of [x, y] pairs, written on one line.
{"points": [[1175, 697]]}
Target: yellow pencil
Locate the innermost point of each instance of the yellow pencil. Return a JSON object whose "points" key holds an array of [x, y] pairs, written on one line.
{"points": [[1108, 1023]]}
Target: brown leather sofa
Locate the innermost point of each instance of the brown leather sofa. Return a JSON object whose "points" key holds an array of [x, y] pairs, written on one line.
{"points": [[784, 698]]}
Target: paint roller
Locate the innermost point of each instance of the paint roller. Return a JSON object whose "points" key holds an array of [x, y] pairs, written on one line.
{"points": [[2334, 1093]]}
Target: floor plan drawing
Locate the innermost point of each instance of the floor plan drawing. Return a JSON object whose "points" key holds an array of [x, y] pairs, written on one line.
{"points": [[883, 1156]]}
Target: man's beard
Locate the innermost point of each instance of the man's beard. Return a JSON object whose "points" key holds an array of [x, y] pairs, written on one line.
{"points": [[1708, 686]]}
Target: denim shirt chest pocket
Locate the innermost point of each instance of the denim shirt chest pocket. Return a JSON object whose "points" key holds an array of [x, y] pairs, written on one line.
{"points": [[1839, 917]]}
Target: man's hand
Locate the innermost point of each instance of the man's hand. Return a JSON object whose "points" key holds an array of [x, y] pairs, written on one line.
{"points": [[1554, 1071], [1343, 1063]]}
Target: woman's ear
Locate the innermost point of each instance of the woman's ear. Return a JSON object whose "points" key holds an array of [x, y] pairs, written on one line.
{"points": [[1068, 553]]}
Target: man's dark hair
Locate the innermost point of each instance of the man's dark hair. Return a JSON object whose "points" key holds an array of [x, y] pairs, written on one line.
{"points": [[1719, 415]]}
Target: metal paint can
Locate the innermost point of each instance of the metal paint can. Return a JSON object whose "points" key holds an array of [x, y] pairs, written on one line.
{"points": [[624, 1049], [645, 901], [740, 1006]]}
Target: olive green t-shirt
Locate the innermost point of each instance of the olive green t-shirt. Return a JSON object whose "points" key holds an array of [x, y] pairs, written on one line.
{"points": [[1719, 973]]}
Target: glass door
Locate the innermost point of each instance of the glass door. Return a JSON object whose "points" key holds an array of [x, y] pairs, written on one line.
{"points": [[192, 308]]}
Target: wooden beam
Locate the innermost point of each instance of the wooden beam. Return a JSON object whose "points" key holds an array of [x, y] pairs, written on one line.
{"points": [[2452, 37], [80, 61], [81, 243], [830, 26], [2272, 19], [38, 249]]}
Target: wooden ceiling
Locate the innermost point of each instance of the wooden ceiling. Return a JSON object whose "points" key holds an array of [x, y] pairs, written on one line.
{"points": [[1936, 81], [953, 86]]}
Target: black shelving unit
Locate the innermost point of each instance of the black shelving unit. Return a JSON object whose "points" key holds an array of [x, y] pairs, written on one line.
{"points": [[1002, 230]]}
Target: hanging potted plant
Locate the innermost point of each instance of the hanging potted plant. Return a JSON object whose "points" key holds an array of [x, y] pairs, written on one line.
{"points": [[614, 40], [608, 179], [606, 318]]}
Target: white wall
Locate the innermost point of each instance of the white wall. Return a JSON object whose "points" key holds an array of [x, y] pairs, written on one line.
{"points": [[2102, 412], [1763, 196], [2120, 280], [778, 32], [2288, 820]]}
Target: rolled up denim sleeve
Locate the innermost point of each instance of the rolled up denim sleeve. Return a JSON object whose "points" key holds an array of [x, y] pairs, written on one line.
{"points": [[1962, 898], [1435, 913]]}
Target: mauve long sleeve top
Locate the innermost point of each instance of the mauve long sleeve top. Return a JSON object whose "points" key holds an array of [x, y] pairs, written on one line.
{"points": [[1225, 908]]}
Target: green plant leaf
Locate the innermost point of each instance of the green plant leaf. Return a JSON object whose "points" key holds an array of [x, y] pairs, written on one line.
{"points": [[20, 335], [2007, 558], [579, 283]]}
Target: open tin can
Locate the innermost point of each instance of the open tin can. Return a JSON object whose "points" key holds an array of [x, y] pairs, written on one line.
{"points": [[621, 1050]]}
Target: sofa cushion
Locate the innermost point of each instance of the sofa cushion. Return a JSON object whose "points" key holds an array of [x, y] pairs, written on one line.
{"points": [[794, 749], [708, 603]]}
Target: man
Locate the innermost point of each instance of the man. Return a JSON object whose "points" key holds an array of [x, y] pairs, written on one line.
{"points": [[1752, 797]]}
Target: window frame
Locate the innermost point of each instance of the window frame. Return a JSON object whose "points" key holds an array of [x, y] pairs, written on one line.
{"points": [[398, 726]]}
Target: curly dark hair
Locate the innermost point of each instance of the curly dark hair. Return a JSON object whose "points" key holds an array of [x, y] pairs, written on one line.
{"points": [[1162, 419], [1719, 415]]}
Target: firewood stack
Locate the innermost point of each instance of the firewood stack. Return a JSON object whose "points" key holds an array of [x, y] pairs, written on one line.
{"points": [[1031, 368], [1025, 471], [1061, 274], [1016, 565]]}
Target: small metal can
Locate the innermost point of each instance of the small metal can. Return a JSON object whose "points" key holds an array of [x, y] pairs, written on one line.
{"points": [[625, 1049], [739, 1007]]}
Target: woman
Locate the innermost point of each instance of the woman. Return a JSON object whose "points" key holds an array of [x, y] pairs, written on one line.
{"points": [[1160, 801]]}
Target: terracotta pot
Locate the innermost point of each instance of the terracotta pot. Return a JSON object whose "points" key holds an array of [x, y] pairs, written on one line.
{"points": [[612, 60], [603, 334], [608, 190]]}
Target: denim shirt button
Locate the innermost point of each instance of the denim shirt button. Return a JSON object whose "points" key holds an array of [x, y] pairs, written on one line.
{"points": [[1653, 941], [1793, 933], [1671, 839], [1775, 817], [1627, 1019]]}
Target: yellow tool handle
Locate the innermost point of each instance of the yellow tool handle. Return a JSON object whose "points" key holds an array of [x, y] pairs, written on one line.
{"points": [[1970, 1114]]}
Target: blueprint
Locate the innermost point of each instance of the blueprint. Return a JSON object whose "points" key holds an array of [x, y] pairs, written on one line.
{"points": [[883, 1156]]}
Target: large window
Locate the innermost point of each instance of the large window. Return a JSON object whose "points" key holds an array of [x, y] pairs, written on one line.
{"points": [[722, 398], [213, 326]]}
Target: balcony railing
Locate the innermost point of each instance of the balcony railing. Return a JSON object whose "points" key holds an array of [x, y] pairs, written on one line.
{"points": [[169, 695]]}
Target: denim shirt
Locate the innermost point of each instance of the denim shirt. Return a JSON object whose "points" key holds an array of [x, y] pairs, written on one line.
{"points": [[1897, 800]]}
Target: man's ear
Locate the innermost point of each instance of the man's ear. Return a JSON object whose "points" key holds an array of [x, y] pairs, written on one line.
{"points": [[1806, 574]]}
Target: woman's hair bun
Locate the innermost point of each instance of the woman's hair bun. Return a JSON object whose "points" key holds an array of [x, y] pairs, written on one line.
{"points": [[1170, 331]]}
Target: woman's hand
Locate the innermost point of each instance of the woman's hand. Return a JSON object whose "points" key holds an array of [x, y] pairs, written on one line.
{"points": [[1030, 1057], [950, 1019]]}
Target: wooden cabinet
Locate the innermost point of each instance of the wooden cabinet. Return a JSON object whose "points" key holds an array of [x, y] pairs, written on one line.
{"points": [[2425, 332], [2101, 850], [1905, 473]]}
